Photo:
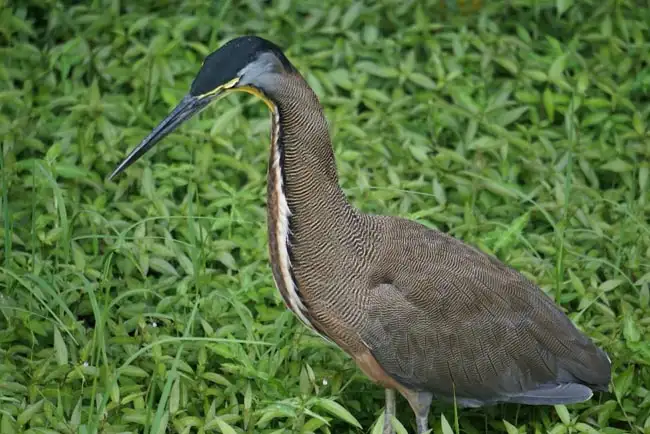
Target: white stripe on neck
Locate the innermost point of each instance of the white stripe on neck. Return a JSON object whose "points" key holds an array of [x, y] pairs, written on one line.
{"points": [[282, 228]]}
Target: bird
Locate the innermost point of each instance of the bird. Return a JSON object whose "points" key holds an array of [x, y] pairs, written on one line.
{"points": [[420, 312]]}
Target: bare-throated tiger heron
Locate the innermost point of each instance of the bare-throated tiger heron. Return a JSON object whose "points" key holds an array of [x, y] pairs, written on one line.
{"points": [[419, 311]]}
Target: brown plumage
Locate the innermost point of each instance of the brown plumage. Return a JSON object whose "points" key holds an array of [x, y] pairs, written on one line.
{"points": [[418, 310]]}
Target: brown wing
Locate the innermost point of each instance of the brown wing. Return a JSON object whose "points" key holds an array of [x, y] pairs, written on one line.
{"points": [[449, 319]]}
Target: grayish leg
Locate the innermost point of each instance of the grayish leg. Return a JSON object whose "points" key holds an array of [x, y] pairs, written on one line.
{"points": [[422, 421], [421, 410], [389, 412]]}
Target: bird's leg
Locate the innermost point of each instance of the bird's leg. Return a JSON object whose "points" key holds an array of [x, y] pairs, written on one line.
{"points": [[389, 412], [420, 403], [422, 422]]}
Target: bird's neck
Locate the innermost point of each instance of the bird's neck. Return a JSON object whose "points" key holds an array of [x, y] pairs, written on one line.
{"points": [[302, 169], [307, 210]]}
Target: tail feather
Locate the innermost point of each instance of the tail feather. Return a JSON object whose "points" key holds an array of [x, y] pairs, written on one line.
{"points": [[549, 394]]}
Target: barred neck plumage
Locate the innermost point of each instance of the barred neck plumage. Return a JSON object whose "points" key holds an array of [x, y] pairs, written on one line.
{"points": [[302, 146], [306, 206]]}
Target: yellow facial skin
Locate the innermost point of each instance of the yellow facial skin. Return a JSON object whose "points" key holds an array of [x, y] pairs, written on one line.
{"points": [[230, 87]]}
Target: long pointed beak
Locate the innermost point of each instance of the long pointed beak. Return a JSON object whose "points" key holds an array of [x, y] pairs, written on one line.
{"points": [[188, 107]]}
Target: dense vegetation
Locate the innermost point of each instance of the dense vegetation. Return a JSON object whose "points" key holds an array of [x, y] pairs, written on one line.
{"points": [[147, 304]]}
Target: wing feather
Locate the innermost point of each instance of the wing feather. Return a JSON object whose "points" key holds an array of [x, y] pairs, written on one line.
{"points": [[450, 319]]}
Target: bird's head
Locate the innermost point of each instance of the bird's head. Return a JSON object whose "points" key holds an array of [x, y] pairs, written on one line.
{"points": [[248, 63]]}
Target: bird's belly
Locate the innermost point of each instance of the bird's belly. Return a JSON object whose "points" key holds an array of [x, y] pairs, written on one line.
{"points": [[333, 308]]}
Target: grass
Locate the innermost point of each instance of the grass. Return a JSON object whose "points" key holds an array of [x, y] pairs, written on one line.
{"points": [[147, 304]]}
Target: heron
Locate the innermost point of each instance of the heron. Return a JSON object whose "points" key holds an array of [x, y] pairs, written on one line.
{"points": [[420, 312]]}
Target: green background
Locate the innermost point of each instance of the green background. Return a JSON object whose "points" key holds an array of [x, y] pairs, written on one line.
{"points": [[147, 304]]}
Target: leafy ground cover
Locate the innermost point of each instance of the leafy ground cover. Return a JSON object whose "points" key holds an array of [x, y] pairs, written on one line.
{"points": [[147, 304]]}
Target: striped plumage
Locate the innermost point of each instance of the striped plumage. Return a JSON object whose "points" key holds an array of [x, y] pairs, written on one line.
{"points": [[471, 319], [418, 310]]}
